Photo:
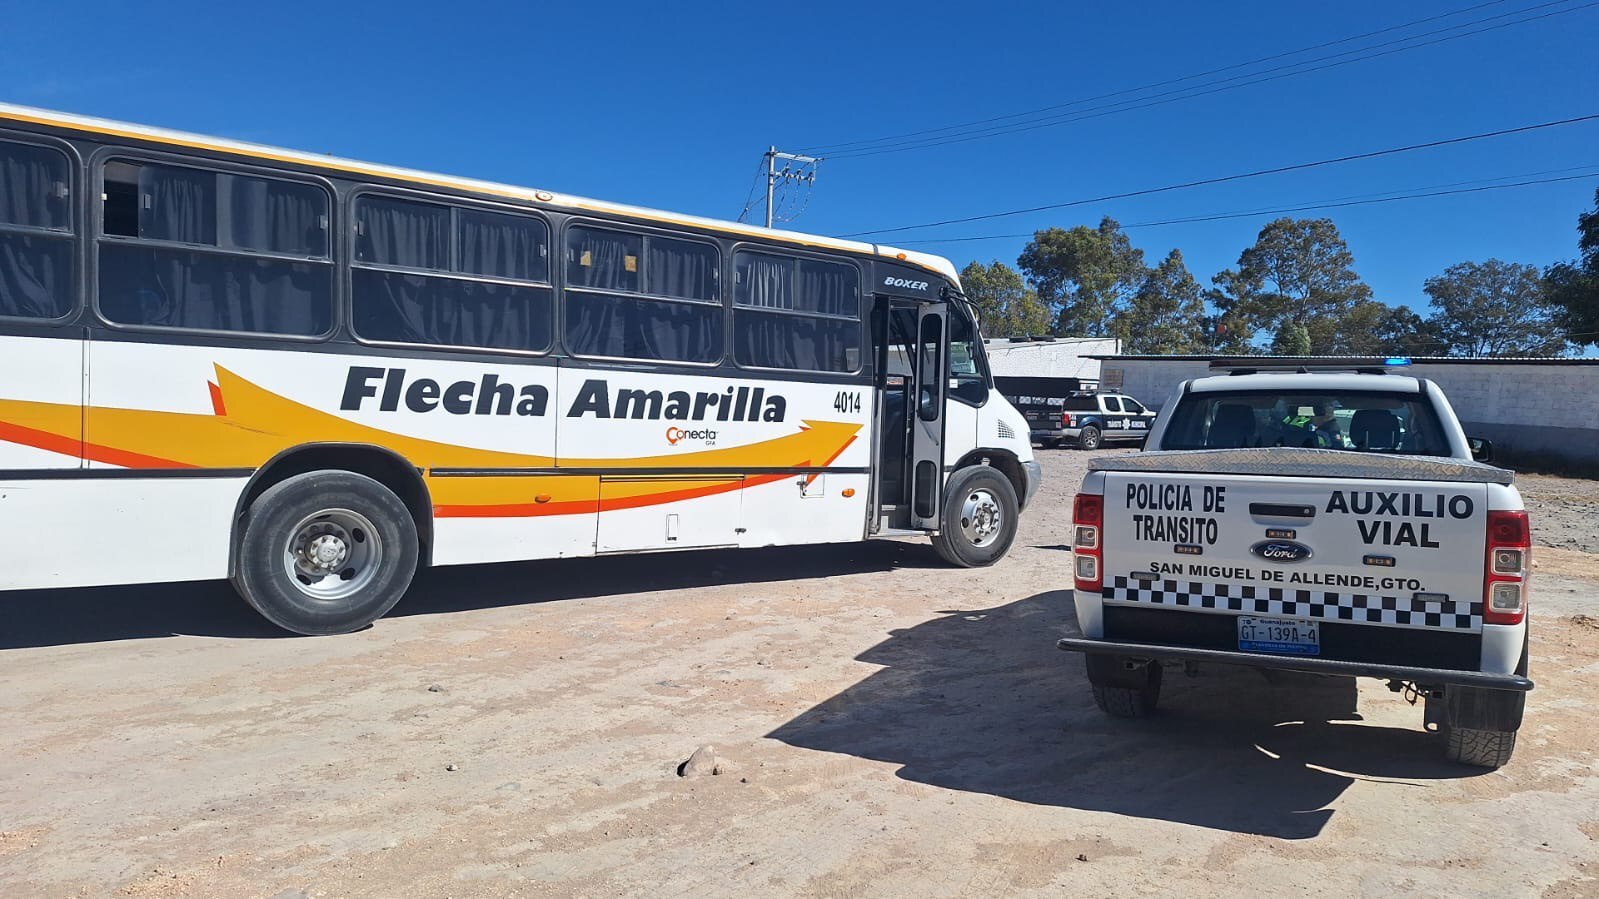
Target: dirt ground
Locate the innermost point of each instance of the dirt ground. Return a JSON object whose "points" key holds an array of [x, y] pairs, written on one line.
{"points": [[888, 727]]}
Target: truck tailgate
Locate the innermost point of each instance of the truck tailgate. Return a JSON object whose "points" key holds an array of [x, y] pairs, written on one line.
{"points": [[1370, 562]]}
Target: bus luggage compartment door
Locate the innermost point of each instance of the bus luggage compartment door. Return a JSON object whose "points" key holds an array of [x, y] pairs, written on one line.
{"points": [[639, 512]]}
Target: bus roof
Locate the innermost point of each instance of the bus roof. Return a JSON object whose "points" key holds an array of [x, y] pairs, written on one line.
{"points": [[96, 126]]}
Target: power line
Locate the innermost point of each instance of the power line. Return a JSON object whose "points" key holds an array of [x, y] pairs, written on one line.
{"points": [[834, 147], [755, 182], [1203, 182], [1336, 203], [1214, 87]]}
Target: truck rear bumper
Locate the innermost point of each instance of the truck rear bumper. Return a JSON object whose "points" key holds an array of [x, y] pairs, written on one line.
{"points": [[1427, 676]]}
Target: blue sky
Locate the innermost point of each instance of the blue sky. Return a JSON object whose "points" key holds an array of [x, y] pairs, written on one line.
{"points": [[670, 105]]}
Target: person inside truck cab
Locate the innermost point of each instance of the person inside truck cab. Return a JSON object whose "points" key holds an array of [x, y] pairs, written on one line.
{"points": [[1314, 426]]}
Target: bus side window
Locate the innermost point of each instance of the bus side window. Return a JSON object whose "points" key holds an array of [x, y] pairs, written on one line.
{"points": [[192, 248], [796, 313], [36, 234], [454, 276], [642, 296]]}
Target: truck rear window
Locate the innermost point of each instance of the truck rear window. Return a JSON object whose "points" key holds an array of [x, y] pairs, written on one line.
{"points": [[1374, 422], [1081, 404]]}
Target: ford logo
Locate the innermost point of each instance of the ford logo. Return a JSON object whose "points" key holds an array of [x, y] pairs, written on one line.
{"points": [[1281, 551]]}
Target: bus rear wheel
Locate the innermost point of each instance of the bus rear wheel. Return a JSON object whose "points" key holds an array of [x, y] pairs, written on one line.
{"points": [[979, 519], [326, 552]]}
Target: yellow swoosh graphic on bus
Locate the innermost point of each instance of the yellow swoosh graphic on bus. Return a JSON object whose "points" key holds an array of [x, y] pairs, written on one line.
{"points": [[250, 425]]}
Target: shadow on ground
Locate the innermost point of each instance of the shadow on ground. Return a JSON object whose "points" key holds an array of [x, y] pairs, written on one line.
{"points": [[211, 608], [982, 701]]}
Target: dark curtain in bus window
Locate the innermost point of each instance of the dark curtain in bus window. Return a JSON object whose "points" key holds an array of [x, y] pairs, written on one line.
{"points": [[33, 187], [178, 205], [278, 216], [631, 328], [764, 281], [35, 275], [214, 291], [603, 260], [503, 246], [450, 312], [799, 342], [828, 288], [681, 268], [396, 232]]}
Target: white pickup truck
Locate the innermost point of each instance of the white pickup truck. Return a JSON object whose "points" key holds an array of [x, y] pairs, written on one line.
{"points": [[1333, 523]]}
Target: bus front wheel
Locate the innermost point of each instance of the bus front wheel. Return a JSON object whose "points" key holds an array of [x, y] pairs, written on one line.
{"points": [[326, 552], [979, 520]]}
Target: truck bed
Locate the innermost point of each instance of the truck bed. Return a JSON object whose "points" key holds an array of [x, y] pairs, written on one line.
{"points": [[1306, 463]]}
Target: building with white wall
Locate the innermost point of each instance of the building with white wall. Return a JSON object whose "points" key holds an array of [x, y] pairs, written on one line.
{"points": [[1050, 357], [1527, 406]]}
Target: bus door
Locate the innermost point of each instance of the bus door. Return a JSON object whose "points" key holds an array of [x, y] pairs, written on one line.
{"points": [[927, 420], [910, 338]]}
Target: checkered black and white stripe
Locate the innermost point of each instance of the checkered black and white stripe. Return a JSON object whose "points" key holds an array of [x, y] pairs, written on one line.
{"points": [[1360, 608]]}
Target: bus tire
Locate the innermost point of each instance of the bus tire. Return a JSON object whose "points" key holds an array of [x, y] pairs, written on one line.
{"points": [[325, 552], [1089, 439], [979, 518]]}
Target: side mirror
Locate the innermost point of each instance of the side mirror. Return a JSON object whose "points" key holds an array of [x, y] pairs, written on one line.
{"points": [[1481, 450], [927, 405]]}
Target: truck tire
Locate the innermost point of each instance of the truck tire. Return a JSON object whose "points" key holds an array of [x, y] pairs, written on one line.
{"points": [[979, 518], [1479, 748], [1479, 726], [326, 552], [1121, 693], [1089, 439]]}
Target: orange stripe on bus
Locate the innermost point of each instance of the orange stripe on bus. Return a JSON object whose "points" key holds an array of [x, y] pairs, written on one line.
{"points": [[576, 507], [70, 446]]}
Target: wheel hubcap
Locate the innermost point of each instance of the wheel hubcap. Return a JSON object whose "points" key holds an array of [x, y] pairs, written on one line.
{"points": [[332, 554], [982, 520]]}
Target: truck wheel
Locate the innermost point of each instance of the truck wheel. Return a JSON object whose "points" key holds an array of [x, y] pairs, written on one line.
{"points": [[979, 519], [1120, 692], [1480, 748], [1089, 438], [1479, 726], [327, 552]]}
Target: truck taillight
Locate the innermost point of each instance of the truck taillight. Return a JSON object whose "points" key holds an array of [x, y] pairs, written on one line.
{"points": [[1067, 420], [1088, 521], [1507, 568]]}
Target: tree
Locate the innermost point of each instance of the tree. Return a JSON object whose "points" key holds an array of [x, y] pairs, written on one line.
{"points": [[1084, 274], [1495, 308], [1402, 332], [1166, 314], [1574, 286], [1292, 339], [1009, 308], [1299, 272]]}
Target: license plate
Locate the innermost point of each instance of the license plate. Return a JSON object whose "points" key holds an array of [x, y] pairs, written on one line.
{"points": [[1285, 636]]}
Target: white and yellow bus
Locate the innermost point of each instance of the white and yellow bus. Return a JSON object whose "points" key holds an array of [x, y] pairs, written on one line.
{"points": [[314, 376]]}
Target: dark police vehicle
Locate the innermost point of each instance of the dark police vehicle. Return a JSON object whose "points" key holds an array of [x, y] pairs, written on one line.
{"points": [[1070, 410]]}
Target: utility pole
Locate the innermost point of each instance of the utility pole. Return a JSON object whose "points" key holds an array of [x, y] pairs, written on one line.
{"points": [[789, 173]]}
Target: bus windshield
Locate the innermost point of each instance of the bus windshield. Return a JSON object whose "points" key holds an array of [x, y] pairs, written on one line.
{"points": [[1363, 421]]}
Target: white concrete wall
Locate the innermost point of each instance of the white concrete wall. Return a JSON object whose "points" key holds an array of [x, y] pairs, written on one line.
{"points": [[1528, 409], [1153, 383], [1065, 357]]}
